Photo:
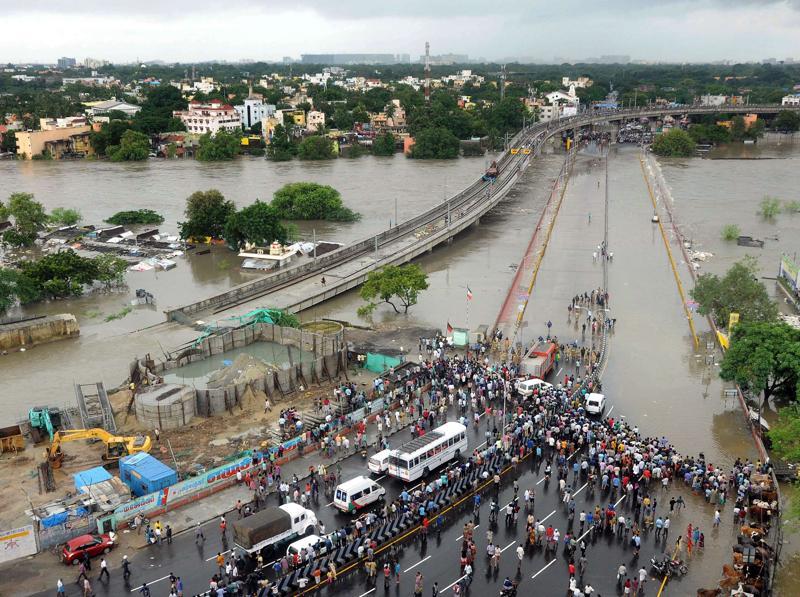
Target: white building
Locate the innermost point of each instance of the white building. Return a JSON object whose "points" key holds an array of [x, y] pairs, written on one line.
{"points": [[209, 118], [713, 100], [115, 105], [579, 82], [254, 110], [24, 78], [791, 100], [562, 98], [51, 124], [315, 120]]}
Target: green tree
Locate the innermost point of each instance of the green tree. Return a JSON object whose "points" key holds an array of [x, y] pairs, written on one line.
{"points": [[133, 147], [787, 121], [281, 148], [316, 147], [709, 133], [8, 142], [8, 288], [206, 213], [109, 135], [435, 143], [343, 119], [785, 438], [28, 216], [393, 284], [764, 357], [730, 232], [311, 201], [136, 216], [384, 144], [674, 143], [258, 224], [739, 291], [64, 216], [58, 275], [110, 269], [156, 113], [220, 147]]}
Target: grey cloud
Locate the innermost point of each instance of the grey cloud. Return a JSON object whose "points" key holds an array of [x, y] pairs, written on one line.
{"points": [[356, 9]]}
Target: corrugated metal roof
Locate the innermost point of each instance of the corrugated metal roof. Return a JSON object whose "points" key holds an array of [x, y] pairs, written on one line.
{"points": [[146, 466]]}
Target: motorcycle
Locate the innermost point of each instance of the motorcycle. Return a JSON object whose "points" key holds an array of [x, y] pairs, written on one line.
{"points": [[509, 592], [665, 566]]}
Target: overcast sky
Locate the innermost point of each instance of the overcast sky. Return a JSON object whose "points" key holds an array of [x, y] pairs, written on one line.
{"points": [[196, 30]]}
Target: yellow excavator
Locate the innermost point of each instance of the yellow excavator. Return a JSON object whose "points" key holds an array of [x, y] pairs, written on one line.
{"points": [[116, 446]]}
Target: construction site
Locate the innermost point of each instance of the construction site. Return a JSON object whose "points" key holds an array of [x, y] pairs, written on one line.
{"points": [[231, 405]]}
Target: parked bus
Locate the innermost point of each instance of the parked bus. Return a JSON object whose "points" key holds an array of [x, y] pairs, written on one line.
{"points": [[421, 455]]}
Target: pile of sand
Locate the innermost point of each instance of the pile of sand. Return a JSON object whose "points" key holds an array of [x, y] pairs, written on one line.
{"points": [[244, 369]]}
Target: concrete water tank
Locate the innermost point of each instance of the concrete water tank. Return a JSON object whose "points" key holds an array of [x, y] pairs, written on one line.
{"points": [[166, 406]]}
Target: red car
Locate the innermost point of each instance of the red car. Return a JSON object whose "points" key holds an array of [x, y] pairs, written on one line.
{"points": [[94, 545]]}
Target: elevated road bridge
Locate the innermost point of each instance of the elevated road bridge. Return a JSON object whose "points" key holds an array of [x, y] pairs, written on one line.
{"points": [[298, 288]]}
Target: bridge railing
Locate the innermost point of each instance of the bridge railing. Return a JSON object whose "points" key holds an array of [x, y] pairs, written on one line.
{"points": [[535, 134]]}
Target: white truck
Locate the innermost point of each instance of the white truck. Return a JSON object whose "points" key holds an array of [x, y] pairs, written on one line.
{"points": [[273, 527]]}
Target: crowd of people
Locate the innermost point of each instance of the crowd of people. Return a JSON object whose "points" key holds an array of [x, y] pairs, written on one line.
{"points": [[608, 458]]}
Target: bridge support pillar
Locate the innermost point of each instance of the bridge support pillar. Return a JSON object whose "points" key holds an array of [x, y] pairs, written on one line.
{"points": [[477, 222], [450, 241]]}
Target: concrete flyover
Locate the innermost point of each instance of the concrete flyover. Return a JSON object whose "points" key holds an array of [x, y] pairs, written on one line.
{"points": [[298, 288]]}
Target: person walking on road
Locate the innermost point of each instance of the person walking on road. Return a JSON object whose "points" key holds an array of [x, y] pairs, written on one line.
{"points": [[621, 574], [520, 555], [418, 585], [198, 534], [81, 573], [145, 590], [126, 568], [60, 591], [104, 570], [87, 588], [435, 590]]}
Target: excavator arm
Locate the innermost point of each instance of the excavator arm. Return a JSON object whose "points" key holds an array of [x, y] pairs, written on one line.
{"points": [[116, 446]]}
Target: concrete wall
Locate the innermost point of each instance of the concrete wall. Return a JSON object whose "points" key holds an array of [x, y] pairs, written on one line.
{"points": [[38, 331], [327, 351]]}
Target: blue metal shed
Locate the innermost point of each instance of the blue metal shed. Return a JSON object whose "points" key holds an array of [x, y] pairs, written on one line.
{"points": [[90, 477], [145, 474]]}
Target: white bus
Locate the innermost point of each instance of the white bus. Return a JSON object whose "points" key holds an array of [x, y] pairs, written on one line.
{"points": [[423, 454]]}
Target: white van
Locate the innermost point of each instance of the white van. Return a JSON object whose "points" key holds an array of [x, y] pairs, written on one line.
{"points": [[527, 386], [595, 403], [379, 463], [315, 541], [357, 493]]}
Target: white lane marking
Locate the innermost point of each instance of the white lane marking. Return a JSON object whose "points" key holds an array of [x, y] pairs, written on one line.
{"points": [[379, 478], [480, 446], [550, 563], [559, 372], [540, 480], [507, 546], [215, 557], [152, 582], [619, 500], [586, 533], [570, 456], [473, 528], [415, 565], [610, 409], [548, 516], [367, 593], [580, 489], [454, 582], [331, 504]]}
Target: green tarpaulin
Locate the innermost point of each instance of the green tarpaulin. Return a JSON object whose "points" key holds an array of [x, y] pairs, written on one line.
{"points": [[378, 363], [460, 337]]}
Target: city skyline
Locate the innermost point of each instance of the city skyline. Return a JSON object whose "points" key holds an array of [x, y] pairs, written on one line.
{"points": [[673, 31]]}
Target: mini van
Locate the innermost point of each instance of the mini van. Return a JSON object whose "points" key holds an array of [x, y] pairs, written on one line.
{"points": [[357, 493]]}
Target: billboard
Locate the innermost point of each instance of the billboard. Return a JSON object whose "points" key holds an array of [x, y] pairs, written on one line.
{"points": [[208, 479], [17, 543]]}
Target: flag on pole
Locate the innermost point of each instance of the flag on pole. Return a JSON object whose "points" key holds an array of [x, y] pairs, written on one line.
{"points": [[449, 328], [469, 294]]}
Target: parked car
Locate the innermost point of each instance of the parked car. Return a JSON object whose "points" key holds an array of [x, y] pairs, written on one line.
{"points": [[94, 545]]}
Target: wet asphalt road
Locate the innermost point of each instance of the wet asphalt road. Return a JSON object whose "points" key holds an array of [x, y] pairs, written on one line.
{"points": [[438, 561]]}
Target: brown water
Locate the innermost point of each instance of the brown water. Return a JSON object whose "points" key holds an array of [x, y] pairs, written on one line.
{"points": [[45, 374]]}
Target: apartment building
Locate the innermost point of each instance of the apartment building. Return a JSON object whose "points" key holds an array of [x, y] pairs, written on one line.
{"points": [[202, 118]]}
